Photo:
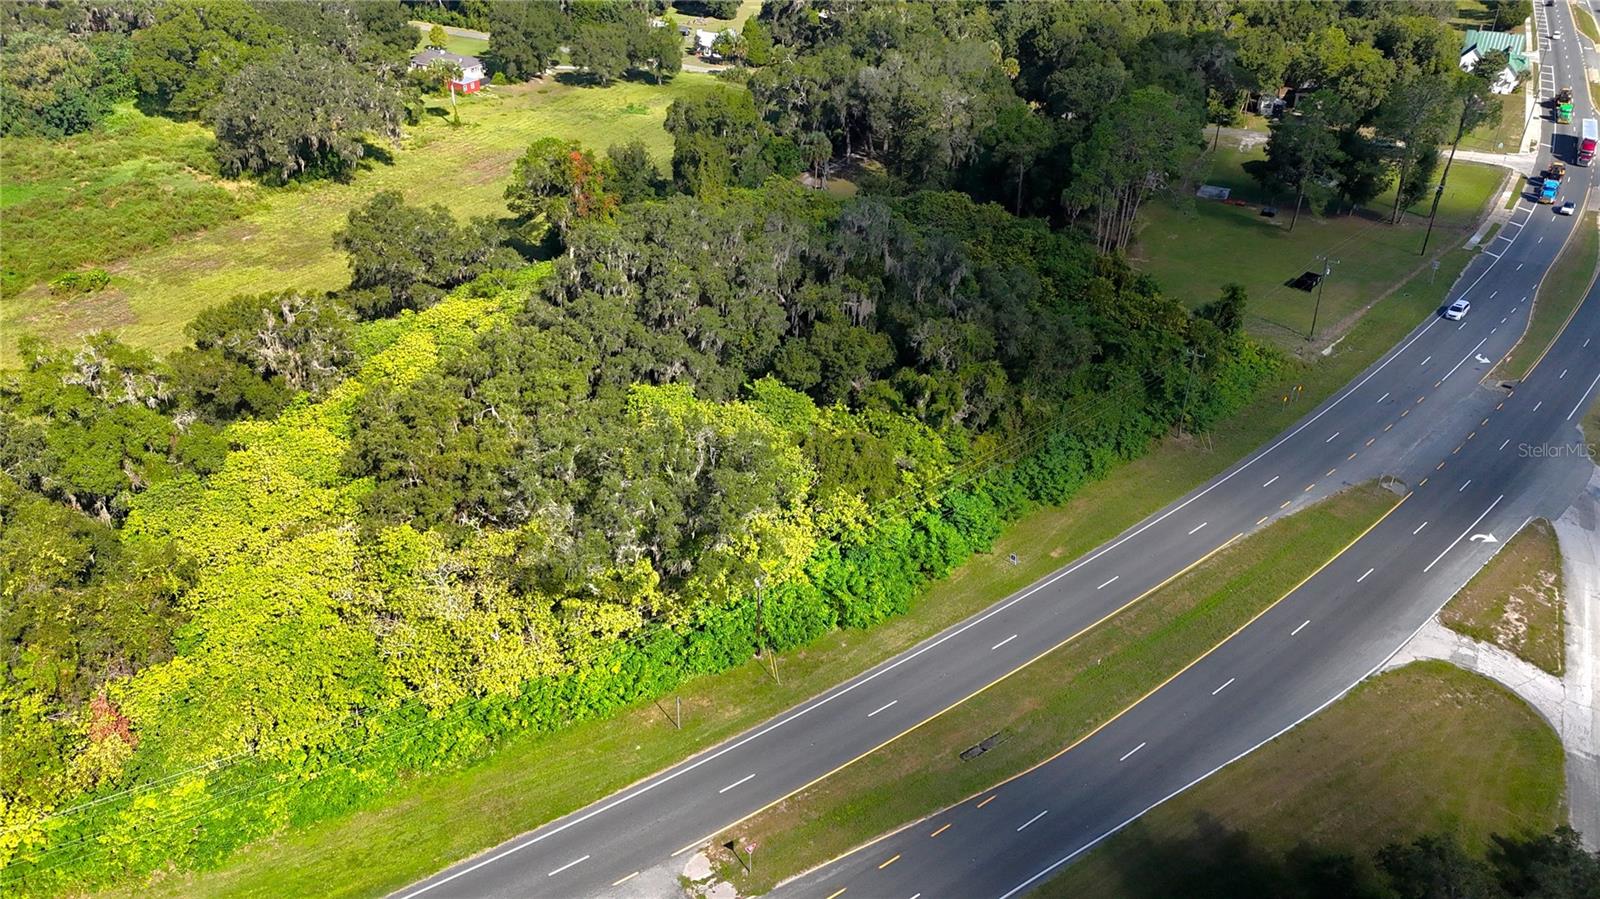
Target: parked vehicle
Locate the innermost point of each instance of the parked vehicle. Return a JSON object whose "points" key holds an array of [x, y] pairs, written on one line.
{"points": [[1458, 310]]}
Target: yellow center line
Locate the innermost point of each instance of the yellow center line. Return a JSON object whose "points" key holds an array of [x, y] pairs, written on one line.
{"points": [[939, 831], [889, 862], [836, 895], [987, 801]]}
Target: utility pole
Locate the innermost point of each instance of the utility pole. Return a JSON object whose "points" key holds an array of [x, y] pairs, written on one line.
{"points": [[1327, 269], [1194, 357], [1467, 106]]}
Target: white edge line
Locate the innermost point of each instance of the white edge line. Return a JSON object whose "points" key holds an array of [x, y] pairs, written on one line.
{"points": [[1464, 533], [891, 664], [1585, 398], [1296, 723]]}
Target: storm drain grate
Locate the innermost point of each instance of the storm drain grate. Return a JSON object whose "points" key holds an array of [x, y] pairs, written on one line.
{"points": [[973, 752]]}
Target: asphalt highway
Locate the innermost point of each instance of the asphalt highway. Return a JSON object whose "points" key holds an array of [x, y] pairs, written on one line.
{"points": [[1403, 416]]}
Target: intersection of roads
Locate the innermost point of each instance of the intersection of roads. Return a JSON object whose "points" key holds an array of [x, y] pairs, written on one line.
{"points": [[1472, 463]]}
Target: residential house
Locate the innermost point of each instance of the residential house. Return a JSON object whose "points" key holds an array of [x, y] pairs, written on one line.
{"points": [[471, 80], [1478, 43]]}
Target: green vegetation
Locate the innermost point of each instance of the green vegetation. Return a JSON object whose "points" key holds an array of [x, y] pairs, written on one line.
{"points": [[1515, 601], [278, 237], [1584, 17], [1056, 700], [455, 43], [1503, 133], [408, 832], [346, 537], [132, 184], [1560, 292], [1198, 246], [1426, 749]]}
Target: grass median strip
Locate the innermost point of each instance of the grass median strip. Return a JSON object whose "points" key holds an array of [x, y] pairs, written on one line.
{"points": [[1427, 748], [1057, 699], [1562, 289], [1514, 602]]}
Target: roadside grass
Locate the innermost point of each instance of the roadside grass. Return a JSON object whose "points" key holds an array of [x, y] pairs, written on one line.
{"points": [[1056, 700], [436, 818], [1193, 247], [747, 8], [1504, 135], [131, 184], [1591, 429], [455, 43], [1583, 17], [1424, 749], [1515, 602], [1560, 292], [285, 237]]}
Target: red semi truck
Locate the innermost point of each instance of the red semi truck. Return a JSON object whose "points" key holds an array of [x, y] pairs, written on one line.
{"points": [[1591, 133]]}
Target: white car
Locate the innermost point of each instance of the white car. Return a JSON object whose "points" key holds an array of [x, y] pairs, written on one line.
{"points": [[1458, 310], [1555, 35], [1565, 208]]}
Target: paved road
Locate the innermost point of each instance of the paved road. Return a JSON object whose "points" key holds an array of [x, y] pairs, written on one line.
{"points": [[1401, 416]]}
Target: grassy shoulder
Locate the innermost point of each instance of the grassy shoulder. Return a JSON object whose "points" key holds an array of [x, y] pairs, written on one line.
{"points": [[1195, 246], [439, 817], [1515, 601], [281, 237], [1428, 748], [1583, 17], [1056, 700], [1562, 289]]}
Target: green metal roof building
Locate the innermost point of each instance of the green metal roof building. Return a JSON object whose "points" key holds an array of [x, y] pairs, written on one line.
{"points": [[1478, 44]]}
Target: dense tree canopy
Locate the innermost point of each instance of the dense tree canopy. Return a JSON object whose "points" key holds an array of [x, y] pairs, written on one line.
{"points": [[302, 113]]}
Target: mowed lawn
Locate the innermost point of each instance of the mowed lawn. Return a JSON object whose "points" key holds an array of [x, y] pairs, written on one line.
{"points": [[1427, 748], [285, 239], [1193, 247]]}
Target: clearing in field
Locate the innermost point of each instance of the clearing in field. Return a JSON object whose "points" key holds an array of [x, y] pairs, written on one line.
{"points": [[285, 239], [1193, 247]]}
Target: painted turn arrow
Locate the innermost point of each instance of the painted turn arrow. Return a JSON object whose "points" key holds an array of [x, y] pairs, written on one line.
{"points": [[1486, 538], [1482, 359]]}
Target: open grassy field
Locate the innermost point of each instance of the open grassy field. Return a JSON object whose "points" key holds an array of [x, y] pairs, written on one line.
{"points": [[1504, 135], [1056, 700], [1560, 292], [131, 184], [1515, 602], [1427, 748], [285, 236], [455, 43], [437, 818], [1193, 247]]}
